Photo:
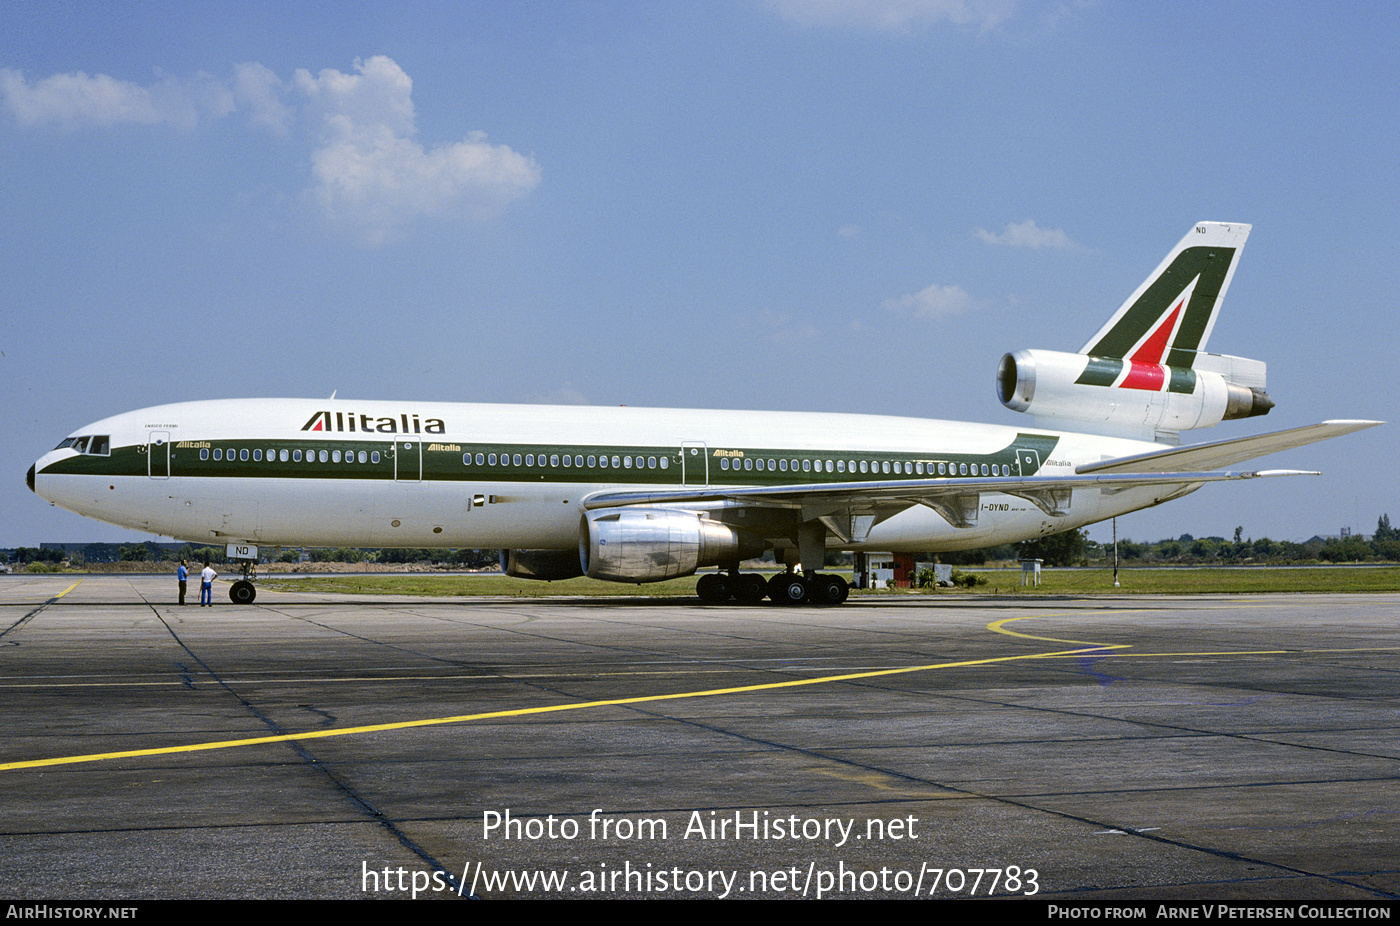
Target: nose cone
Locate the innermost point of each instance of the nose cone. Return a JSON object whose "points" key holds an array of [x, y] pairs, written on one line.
{"points": [[29, 478]]}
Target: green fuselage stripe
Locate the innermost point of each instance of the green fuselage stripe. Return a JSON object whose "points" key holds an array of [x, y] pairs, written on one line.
{"points": [[455, 461]]}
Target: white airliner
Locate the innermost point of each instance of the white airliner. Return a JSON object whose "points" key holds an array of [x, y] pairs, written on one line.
{"points": [[646, 494]]}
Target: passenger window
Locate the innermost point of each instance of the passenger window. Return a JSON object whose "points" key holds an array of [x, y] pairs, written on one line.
{"points": [[553, 459], [204, 453], [243, 455], [374, 456], [257, 455], [592, 460], [218, 453], [296, 456], [282, 456]]}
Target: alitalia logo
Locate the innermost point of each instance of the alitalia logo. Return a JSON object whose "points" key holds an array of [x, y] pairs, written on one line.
{"points": [[353, 423]]}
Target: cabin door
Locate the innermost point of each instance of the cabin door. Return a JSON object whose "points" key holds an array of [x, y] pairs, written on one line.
{"points": [[695, 464], [408, 461], [158, 455]]}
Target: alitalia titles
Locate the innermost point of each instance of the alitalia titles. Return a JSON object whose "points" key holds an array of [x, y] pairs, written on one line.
{"points": [[404, 423]]}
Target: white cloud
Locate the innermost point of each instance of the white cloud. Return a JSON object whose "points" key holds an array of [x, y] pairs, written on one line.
{"points": [[1028, 235], [372, 175], [76, 99], [259, 91], [371, 171], [933, 301], [895, 15]]}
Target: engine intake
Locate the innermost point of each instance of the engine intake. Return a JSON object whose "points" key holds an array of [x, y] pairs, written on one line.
{"points": [[1131, 395]]}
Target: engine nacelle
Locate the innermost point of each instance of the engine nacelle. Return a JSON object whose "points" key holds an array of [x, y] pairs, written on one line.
{"points": [[654, 544], [547, 565], [1128, 395]]}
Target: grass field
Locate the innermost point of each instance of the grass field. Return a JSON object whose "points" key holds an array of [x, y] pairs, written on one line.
{"points": [[1220, 581]]}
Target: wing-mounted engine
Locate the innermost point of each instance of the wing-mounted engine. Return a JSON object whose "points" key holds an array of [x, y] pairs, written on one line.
{"points": [[654, 544], [1132, 398]]}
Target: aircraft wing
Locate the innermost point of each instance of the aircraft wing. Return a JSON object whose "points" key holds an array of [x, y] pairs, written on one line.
{"points": [[850, 509], [1225, 452]]}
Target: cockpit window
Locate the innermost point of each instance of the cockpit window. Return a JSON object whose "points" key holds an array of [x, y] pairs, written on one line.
{"points": [[100, 444]]}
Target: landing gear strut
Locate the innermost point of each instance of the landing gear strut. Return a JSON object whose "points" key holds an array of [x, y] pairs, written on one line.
{"points": [[244, 591], [808, 587]]}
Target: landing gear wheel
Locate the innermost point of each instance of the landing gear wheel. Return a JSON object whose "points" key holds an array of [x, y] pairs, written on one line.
{"points": [[750, 589], [830, 590], [788, 588], [242, 592], [713, 588]]}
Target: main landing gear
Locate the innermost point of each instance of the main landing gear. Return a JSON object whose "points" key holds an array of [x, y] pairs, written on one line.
{"points": [[783, 588]]}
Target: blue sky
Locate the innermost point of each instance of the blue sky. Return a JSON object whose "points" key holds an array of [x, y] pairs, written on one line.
{"points": [[852, 207]]}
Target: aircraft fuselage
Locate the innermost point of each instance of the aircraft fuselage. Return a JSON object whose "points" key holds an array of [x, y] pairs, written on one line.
{"points": [[299, 472]]}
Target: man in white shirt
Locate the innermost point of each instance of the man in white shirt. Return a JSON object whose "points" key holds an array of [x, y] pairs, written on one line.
{"points": [[206, 585]]}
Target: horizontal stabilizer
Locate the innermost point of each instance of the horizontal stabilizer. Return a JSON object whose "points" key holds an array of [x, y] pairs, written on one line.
{"points": [[1226, 452]]}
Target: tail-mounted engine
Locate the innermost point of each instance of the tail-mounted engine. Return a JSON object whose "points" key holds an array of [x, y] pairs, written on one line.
{"points": [[1129, 397], [654, 544]]}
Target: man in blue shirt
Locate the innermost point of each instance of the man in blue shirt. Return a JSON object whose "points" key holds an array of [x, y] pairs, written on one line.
{"points": [[183, 575]]}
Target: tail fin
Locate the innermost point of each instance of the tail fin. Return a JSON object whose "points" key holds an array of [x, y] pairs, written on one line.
{"points": [[1146, 374], [1168, 318]]}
